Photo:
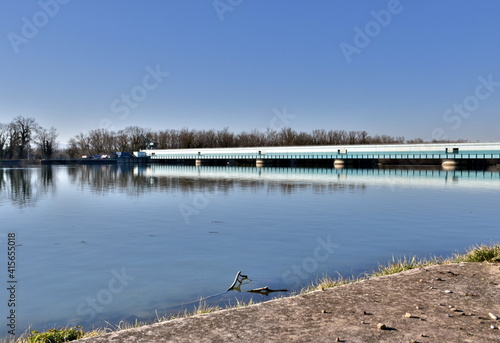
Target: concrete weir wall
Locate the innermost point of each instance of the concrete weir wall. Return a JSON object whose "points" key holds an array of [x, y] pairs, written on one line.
{"points": [[337, 163], [357, 155], [319, 163]]}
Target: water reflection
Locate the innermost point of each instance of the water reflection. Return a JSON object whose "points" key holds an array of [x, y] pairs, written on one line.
{"points": [[103, 179], [24, 187], [135, 180], [320, 180]]}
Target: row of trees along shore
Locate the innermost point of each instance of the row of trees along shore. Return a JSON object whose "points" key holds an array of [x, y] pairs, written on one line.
{"points": [[130, 139], [25, 138]]}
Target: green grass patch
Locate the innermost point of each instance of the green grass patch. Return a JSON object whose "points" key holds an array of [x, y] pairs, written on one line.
{"points": [[56, 335], [328, 282], [204, 308], [480, 253], [403, 264]]}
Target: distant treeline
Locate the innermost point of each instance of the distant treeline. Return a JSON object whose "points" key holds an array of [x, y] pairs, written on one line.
{"points": [[25, 138], [130, 139]]}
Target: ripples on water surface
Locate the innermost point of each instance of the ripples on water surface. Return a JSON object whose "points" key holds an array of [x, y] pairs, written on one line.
{"points": [[118, 243]]}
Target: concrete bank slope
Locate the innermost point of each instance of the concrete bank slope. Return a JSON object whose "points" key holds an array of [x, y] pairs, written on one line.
{"points": [[443, 303]]}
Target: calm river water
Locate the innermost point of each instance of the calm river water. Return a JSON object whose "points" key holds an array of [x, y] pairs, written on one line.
{"points": [[111, 243]]}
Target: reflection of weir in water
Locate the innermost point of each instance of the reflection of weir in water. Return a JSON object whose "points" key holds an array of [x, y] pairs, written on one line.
{"points": [[135, 180], [25, 186], [340, 178], [223, 179]]}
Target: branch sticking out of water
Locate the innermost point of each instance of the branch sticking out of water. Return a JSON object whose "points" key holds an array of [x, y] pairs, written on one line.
{"points": [[238, 279]]}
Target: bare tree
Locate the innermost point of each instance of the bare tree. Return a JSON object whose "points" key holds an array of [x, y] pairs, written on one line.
{"points": [[253, 138], [210, 138], [73, 151], [102, 141], [79, 145], [352, 137], [363, 137], [257, 138], [271, 137], [135, 134], [287, 136], [20, 133], [46, 141], [186, 138], [121, 141], [416, 141], [4, 136], [225, 138], [167, 139], [303, 138], [319, 137]]}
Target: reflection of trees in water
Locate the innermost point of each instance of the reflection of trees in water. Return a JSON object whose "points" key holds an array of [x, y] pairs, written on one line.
{"points": [[316, 188], [135, 180], [188, 185], [24, 187], [103, 179]]}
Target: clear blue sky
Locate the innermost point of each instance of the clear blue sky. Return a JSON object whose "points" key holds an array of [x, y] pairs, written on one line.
{"points": [[404, 68]]}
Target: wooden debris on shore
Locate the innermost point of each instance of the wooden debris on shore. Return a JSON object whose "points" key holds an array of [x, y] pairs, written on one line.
{"points": [[266, 290], [240, 278]]}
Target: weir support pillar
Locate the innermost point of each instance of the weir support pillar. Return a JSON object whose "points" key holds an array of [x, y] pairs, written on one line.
{"points": [[261, 162], [338, 163], [449, 164]]}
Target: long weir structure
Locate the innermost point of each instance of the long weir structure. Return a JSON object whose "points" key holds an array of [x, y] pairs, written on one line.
{"points": [[447, 154]]}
